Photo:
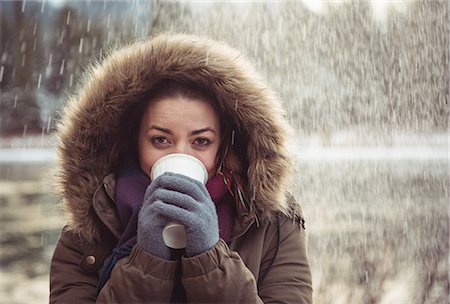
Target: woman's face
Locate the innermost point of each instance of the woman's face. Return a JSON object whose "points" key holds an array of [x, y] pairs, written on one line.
{"points": [[179, 125]]}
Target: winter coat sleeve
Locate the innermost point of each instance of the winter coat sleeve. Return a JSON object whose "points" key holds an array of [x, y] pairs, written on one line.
{"points": [[287, 275], [220, 275], [72, 279], [139, 278]]}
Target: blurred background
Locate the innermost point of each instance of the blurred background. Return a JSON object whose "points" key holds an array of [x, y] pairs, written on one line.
{"points": [[365, 85]]}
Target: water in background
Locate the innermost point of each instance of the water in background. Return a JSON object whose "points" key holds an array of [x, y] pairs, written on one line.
{"points": [[378, 230], [30, 222]]}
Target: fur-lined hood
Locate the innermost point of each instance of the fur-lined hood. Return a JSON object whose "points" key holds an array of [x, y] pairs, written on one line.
{"points": [[89, 124]]}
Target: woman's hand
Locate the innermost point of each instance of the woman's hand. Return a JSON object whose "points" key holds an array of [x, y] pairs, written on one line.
{"points": [[174, 197], [150, 226]]}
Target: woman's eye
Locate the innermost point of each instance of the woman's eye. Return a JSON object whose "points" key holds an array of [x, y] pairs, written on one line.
{"points": [[159, 140], [203, 141]]}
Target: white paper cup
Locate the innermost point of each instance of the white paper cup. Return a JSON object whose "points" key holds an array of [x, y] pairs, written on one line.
{"points": [[174, 234], [182, 164]]}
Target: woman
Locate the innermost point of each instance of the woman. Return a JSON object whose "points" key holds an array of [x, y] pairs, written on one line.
{"points": [[245, 233]]}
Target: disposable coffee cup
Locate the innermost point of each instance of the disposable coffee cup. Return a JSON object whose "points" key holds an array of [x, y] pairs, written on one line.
{"points": [[183, 164], [174, 234]]}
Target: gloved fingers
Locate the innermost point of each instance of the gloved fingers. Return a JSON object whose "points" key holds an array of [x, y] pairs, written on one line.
{"points": [[151, 188], [149, 215], [183, 184], [174, 213], [184, 201], [177, 199], [155, 184], [158, 183]]}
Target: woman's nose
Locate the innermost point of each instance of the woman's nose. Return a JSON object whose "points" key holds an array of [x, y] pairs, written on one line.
{"points": [[183, 148]]}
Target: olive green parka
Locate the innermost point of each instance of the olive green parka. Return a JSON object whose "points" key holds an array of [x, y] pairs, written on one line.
{"points": [[266, 261]]}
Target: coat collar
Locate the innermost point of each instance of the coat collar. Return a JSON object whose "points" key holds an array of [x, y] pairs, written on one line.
{"points": [[105, 208]]}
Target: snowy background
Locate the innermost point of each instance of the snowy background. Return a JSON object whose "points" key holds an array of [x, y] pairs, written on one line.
{"points": [[365, 85]]}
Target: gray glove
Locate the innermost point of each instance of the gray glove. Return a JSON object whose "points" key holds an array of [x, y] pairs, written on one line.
{"points": [[174, 197], [150, 226]]}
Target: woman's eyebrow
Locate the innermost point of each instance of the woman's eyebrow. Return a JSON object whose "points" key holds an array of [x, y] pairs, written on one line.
{"points": [[165, 130], [195, 132]]}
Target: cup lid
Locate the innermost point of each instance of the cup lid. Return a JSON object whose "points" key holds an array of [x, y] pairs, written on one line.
{"points": [[182, 164]]}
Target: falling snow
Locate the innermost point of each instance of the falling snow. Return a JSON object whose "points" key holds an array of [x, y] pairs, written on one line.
{"points": [[364, 84]]}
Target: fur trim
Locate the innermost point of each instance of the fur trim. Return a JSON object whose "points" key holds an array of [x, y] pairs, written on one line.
{"points": [[90, 119]]}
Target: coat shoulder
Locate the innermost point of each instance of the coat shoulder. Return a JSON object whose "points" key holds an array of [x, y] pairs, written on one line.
{"points": [[294, 211]]}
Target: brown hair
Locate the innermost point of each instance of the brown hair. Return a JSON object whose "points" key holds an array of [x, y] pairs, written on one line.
{"points": [[231, 143]]}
